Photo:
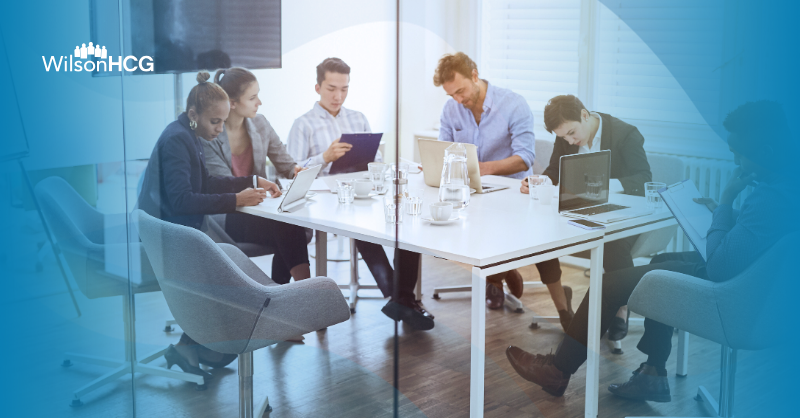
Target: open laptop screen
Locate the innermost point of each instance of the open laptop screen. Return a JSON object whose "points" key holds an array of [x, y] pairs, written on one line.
{"points": [[583, 180]]}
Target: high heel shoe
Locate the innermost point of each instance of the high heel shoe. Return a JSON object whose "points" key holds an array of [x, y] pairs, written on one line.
{"points": [[619, 328], [174, 357]]}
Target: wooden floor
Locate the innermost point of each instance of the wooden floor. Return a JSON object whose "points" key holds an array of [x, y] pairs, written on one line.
{"points": [[347, 371]]}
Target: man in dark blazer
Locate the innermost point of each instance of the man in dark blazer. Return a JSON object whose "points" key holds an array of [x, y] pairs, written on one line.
{"points": [[580, 131]]}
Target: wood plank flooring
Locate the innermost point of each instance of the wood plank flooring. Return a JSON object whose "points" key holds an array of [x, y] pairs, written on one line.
{"points": [[347, 371]]}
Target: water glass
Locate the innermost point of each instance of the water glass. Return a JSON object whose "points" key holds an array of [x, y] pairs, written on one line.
{"points": [[534, 182], [345, 190], [651, 193], [414, 201], [377, 175], [390, 209], [399, 171]]}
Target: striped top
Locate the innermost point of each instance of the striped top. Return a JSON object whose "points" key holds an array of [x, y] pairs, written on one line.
{"points": [[313, 133]]}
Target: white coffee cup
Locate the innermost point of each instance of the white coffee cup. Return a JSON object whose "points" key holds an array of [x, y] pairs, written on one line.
{"points": [[363, 187], [441, 211], [546, 193]]}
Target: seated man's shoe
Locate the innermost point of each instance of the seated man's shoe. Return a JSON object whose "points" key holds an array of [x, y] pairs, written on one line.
{"points": [[494, 296], [619, 328], [514, 281], [538, 369], [411, 313], [566, 315], [644, 385]]}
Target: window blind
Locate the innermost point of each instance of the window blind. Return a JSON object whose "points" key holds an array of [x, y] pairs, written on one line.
{"points": [[632, 81], [531, 47]]}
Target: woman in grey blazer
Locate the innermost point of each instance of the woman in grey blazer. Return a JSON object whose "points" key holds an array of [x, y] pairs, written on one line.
{"points": [[242, 149]]}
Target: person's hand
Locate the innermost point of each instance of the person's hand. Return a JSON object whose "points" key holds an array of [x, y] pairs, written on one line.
{"points": [[336, 150], [736, 184], [250, 197], [524, 188], [297, 169], [485, 168], [707, 201], [269, 186]]}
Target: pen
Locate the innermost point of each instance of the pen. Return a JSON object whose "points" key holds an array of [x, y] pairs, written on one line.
{"points": [[255, 182]]}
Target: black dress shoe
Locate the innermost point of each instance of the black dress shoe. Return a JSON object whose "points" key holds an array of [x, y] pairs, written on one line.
{"points": [[411, 313], [619, 328], [174, 357], [644, 385], [214, 359], [494, 296], [566, 315], [538, 369]]}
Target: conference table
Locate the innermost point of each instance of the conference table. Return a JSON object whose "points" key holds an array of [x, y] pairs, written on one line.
{"points": [[497, 232]]}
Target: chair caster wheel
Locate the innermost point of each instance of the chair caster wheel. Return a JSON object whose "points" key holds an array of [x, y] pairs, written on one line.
{"points": [[352, 310], [436, 296], [519, 310], [200, 388], [76, 403], [534, 325], [268, 409], [616, 351], [680, 375], [66, 363], [168, 328]]}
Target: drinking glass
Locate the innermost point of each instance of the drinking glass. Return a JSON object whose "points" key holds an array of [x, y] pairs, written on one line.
{"points": [[651, 193], [345, 190], [376, 174], [534, 181], [414, 201], [390, 208], [594, 185]]}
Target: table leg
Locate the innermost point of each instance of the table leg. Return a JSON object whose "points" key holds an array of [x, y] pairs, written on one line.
{"points": [[478, 347], [593, 336], [321, 258]]}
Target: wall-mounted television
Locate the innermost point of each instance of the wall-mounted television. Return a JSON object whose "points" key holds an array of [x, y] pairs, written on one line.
{"points": [[190, 35]]}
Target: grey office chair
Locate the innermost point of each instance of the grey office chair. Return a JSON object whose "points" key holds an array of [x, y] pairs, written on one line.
{"points": [[79, 231], [743, 313], [223, 300]]}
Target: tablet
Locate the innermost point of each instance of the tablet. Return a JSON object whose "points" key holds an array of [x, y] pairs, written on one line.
{"points": [[299, 187], [365, 147]]}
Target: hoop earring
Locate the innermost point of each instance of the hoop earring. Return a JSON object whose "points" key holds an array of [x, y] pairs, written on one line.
{"points": [[193, 124]]}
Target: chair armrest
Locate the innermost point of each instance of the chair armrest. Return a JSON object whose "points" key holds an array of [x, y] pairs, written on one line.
{"points": [[297, 308], [681, 301]]}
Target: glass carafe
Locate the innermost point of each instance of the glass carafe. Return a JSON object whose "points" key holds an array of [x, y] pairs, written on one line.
{"points": [[454, 185]]}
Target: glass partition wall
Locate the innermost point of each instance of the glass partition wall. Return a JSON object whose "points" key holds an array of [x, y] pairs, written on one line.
{"points": [[280, 115]]}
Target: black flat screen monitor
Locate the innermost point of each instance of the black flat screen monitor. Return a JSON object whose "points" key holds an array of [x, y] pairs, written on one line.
{"points": [[190, 35]]}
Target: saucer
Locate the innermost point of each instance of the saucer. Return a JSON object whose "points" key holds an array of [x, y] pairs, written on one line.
{"points": [[370, 195], [309, 195], [430, 220]]}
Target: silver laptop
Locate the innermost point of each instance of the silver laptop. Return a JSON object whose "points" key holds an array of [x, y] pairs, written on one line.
{"points": [[298, 190], [583, 189], [431, 155]]}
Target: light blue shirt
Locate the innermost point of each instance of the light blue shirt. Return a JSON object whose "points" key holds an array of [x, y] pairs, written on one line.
{"points": [[506, 127]]}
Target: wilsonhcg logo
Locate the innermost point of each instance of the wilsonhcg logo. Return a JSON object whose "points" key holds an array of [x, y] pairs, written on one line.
{"points": [[95, 57]]}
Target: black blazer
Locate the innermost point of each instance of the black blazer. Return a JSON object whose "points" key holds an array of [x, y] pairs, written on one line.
{"points": [[628, 160], [177, 187]]}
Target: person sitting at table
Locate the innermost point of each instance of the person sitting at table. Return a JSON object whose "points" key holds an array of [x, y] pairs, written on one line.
{"points": [[580, 131], [314, 139], [178, 188], [500, 123], [734, 241], [246, 141]]}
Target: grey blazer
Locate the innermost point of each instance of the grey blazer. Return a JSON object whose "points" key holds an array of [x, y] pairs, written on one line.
{"points": [[266, 144]]}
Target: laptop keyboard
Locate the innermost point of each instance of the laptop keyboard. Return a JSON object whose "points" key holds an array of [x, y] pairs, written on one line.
{"points": [[596, 210]]}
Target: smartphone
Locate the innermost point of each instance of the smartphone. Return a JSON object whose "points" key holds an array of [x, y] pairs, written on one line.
{"points": [[583, 223]]}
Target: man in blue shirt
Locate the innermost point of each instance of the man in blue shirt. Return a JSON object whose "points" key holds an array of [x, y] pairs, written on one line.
{"points": [[499, 123]]}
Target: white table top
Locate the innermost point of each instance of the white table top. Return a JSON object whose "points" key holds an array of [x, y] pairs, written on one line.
{"points": [[496, 227]]}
